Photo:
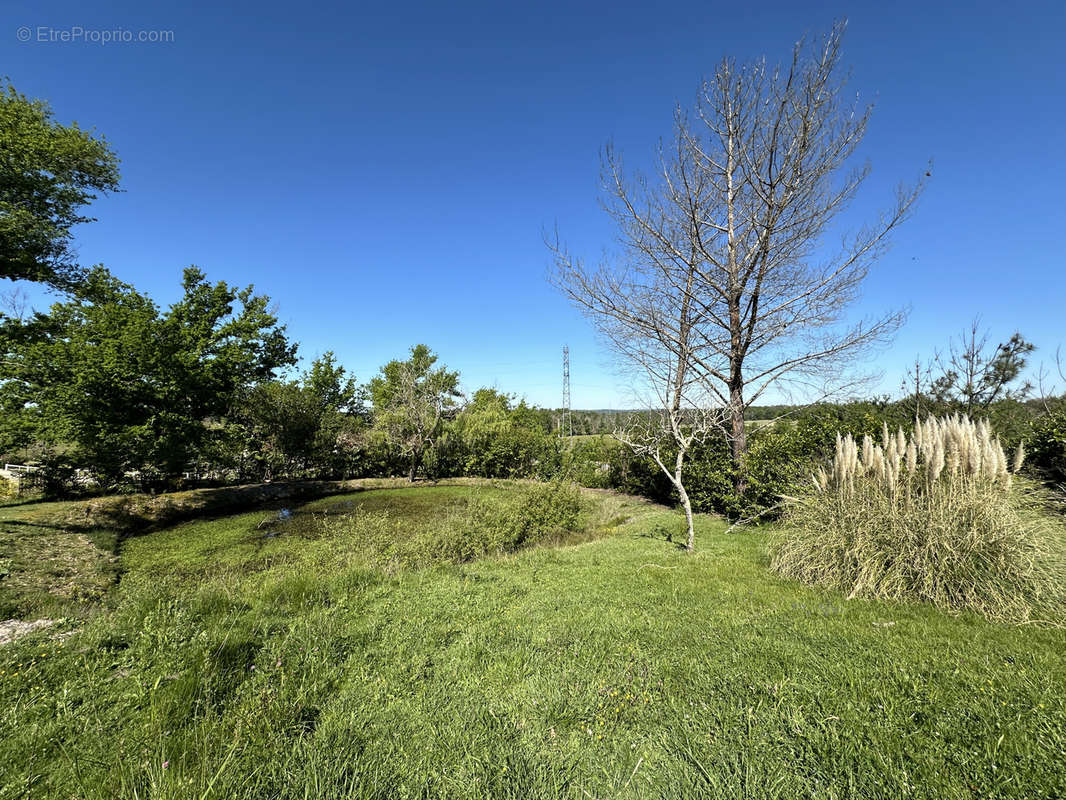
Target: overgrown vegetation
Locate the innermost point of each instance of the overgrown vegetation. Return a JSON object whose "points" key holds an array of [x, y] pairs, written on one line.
{"points": [[937, 517], [61, 558], [484, 524]]}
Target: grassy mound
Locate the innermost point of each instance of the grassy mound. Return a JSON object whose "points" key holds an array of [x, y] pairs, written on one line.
{"points": [[60, 558], [483, 524], [938, 518]]}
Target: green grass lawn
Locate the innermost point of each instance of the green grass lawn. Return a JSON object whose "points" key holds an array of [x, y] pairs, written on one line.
{"points": [[47, 569], [251, 657]]}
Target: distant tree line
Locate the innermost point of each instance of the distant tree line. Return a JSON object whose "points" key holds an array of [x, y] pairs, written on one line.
{"points": [[106, 390]]}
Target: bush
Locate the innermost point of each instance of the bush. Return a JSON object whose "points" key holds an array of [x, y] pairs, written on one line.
{"points": [[588, 461], [547, 512], [631, 474], [1048, 447], [935, 518], [779, 458]]}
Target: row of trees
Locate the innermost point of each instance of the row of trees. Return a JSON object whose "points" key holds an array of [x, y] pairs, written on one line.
{"points": [[108, 390], [108, 383]]}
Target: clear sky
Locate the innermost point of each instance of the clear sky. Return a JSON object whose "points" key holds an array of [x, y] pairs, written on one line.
{"points": [[386, 171]]}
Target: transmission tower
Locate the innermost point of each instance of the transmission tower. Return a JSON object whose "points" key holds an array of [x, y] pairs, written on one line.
{"points": [[568, 422]]}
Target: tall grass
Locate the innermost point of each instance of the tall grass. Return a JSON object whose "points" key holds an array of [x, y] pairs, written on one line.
{"points": [[486, 524], [938, 516]]}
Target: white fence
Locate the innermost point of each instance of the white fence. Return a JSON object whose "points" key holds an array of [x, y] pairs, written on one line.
{"points": [[20, 476], [19, 469]]}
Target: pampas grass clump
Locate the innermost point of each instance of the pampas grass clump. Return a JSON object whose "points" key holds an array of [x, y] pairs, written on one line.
{"points": [[937, 517]]}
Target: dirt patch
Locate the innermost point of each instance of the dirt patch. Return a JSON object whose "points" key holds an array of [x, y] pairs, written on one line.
{"points": [[12, 629]]}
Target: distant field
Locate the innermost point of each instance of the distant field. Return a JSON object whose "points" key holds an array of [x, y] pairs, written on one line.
{"points": [[268, 655]]}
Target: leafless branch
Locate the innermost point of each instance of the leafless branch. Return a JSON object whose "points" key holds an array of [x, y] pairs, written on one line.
{"points": [[724, 287]]}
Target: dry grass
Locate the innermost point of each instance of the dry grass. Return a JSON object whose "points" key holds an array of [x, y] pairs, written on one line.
{"points": [[51, 571], [936, 517]]}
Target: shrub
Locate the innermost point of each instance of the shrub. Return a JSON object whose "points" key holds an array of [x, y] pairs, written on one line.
{"points": [[1048, 447], [546, 512], [774, 461], [937, 517], [588, 462], [779, 459], [630, 473]]}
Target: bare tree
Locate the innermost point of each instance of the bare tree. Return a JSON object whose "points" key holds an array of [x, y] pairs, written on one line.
{"points": [[666, 435], [918, 388], [731, 228], [648, 315], [976, 374], [648, 311], [1047, 392], [14, 303]]}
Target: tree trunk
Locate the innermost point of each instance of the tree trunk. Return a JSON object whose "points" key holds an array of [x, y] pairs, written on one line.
{"points": [[738, 439], [690, 543], [416, 459], [687, 504]]}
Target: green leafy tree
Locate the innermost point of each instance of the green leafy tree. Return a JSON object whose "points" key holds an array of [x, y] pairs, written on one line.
{"points": [[48, 174], [340, 405], [497, 439], [410, 400], [332, 387], [312, 426], [120, 387]]}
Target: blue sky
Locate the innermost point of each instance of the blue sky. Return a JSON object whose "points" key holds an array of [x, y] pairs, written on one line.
{"points": [[385, 172]]}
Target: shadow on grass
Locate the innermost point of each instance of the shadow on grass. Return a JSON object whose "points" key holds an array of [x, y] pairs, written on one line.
{"points": [[665, 533], [48, 526]]}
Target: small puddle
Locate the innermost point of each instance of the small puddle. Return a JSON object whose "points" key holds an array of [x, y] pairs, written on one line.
{"points": [[272, 526]]}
